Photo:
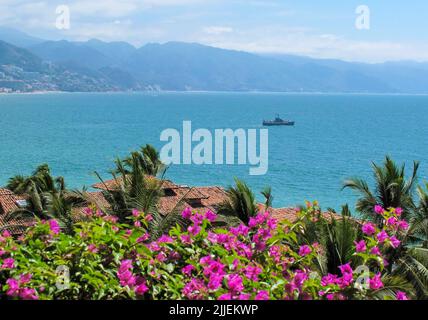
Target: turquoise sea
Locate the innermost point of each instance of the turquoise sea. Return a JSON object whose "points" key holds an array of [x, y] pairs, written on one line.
{"points": [[335, 136]]}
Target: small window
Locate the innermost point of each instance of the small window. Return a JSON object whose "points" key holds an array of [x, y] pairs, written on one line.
{"points": [[21, 203], [169, 193]]}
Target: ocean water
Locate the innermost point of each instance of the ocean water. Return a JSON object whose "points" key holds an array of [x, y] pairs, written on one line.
{"points": [[335, 136]]}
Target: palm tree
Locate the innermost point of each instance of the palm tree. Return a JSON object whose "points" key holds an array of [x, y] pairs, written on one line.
{"points": [[47, 198], [56, 205], [392, 190], [335, 235], [148, 159], [267, 194], [40, 180], [241, 202], [411, 259], [36, 187], [59, 206], [136, 190]]}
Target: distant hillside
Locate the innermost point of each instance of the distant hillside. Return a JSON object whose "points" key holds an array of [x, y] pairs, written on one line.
{"points": [[21, 70], [18, 38], [11, 55], [101, 66], [69, 52], [184, 66]]}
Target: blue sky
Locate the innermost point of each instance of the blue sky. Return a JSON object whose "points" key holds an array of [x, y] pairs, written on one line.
{"points": [[323, 29]]}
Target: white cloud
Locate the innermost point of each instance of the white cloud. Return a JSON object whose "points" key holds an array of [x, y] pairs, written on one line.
{"points": [[304, 41], [216, 30]]}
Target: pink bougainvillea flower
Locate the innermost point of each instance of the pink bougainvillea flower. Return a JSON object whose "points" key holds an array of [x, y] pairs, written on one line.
{"points": [[262, 295], [28, 294], [346, 269], [376, 282], [401, 296], [186, 239], [161, 257], [215, 282], [378, 209], [2, 252], [226, 296], [137, 224], [403, 225], [235, 283], [205, 260], [125, 274], [13, 285], [88, 211], [382, 236], [299, 278], [8, 263], [143, 238], [54, 226], [275, 252], [395, 243], [360, 246], [304, 250], [244, 296], [369, 228], [92, 248], [187, 213], [241, 230], [194, 289], [148, 218], [135, 213], [197, 219], [271, 223], [6, 234], [252, 272], [194, 230], [329, 279], [15, 289], [391, 221], [141, 289], [214, 267], [330, 296], [165, 239], [398, 211], [252, 223], [210, 216], [376, 251], [187, 270], [25, 278]]}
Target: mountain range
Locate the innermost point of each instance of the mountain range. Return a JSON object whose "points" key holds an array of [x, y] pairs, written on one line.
{"points": [[31, 64]]}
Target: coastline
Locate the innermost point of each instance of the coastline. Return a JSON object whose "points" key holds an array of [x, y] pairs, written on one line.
{"points": [[217, 92]]}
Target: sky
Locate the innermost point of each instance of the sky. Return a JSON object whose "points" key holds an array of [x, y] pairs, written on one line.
{"points": [[320, 29]]}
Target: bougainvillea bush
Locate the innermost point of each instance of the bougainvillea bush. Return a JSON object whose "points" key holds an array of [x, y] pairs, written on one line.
{"points": [[259, 261]]}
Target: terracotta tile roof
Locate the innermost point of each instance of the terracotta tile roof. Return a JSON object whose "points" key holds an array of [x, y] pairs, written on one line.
{"points": [[113, 184], [8, 204], [8, 201], [291, 214], [15, 226], [198, 198], [95, 198], [190, 193], [216, 195], [99, 199]]}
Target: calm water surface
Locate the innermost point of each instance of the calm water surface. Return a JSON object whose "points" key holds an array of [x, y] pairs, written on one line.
{"points": [[335, 137]]}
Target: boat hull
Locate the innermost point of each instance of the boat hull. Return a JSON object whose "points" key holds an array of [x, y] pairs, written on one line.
{"points": [[271, 124]]}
